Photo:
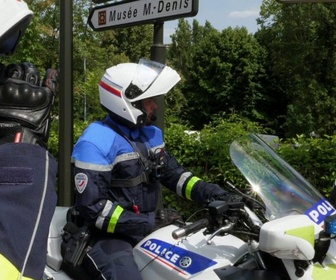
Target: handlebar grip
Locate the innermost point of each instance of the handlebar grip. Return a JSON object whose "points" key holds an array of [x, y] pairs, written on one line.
{"points": [[194, 227]]}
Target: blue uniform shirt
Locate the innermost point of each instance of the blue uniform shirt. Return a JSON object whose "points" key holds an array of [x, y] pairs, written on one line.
{"points": [[103, 159]]}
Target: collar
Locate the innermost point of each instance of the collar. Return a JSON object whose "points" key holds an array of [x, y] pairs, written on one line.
{"points": [[131, 133]]}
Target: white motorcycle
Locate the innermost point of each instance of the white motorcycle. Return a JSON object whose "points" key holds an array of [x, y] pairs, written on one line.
{"points": [[284, 229]]}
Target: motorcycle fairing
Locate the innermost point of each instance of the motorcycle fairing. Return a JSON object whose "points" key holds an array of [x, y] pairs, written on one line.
{"points": [[319, 211], [224, 251], [289, 237], [184, 261]]}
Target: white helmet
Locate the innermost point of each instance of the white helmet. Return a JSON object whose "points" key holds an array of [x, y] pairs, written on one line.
{"points": [[123, 86], [15, 16]]}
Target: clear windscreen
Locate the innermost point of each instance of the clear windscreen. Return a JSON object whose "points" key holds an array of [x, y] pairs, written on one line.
{"points": [[280, 187]]}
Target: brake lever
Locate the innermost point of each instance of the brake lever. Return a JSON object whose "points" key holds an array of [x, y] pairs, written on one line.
{"points": [[224, 229]]}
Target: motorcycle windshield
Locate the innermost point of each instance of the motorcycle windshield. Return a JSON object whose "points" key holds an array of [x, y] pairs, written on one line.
{"points": [[281, 188]]}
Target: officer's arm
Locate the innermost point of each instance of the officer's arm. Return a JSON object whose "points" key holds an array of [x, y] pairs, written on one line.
{"points": [[186, 184], [93, 204]]}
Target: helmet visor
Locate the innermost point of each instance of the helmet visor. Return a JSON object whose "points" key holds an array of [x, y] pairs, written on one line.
{"points": [[145, 75]]}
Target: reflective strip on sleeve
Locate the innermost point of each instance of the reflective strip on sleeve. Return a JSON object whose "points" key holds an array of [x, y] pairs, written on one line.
{"points": [[114, 219], [184, 176], [100, 220], [105, 214], [191, 183], [9, 271], [126, 157], [91, 166]]}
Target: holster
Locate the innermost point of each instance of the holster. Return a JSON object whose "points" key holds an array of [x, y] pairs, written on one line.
{"points": [[75, 245], [77, 239]]}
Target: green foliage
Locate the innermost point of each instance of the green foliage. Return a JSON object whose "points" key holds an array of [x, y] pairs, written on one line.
{"points": [[221, 71], [134, 42], [314, 158], [206, 153], [175, 102], [300, 66]]}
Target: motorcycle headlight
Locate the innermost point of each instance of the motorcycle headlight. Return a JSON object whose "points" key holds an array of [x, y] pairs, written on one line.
{"points": [[330, 224]]}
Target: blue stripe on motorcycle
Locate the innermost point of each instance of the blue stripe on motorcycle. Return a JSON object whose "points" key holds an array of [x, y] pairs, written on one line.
{"points": [[320, 211], [180, 259]]}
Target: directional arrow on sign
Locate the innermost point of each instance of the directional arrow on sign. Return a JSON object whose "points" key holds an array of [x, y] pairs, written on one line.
{"points": [[129, 13]]}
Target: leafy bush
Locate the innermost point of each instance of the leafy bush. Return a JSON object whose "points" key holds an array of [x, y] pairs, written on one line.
{"points": [[206, 154], [313, 158]]}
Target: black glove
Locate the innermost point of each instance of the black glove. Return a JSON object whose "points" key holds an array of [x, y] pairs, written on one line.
{"points": [[224, 197], [26, 103], [27, 71]]}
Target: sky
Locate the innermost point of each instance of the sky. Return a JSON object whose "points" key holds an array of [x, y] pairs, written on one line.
{"points": [[222, 14]]}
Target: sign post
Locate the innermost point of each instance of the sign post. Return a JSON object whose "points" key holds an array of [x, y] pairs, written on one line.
{"points": [[65, 142]]}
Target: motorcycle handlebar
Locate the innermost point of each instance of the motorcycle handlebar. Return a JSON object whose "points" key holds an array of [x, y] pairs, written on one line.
{"points": [[192, 228]]}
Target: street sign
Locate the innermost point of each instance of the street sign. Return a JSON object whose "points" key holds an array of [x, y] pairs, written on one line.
{"points": [[128, 13]]}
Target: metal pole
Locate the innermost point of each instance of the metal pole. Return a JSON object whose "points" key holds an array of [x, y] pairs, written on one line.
{"points": [[158, 53], [65, 190]]}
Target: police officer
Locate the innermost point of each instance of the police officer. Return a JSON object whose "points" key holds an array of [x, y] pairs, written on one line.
{"points": [[119, 163], [27, 170]]}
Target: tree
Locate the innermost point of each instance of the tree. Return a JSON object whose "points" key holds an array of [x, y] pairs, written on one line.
{"points": [[221, 70], [180, 52], [300, 42]]}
